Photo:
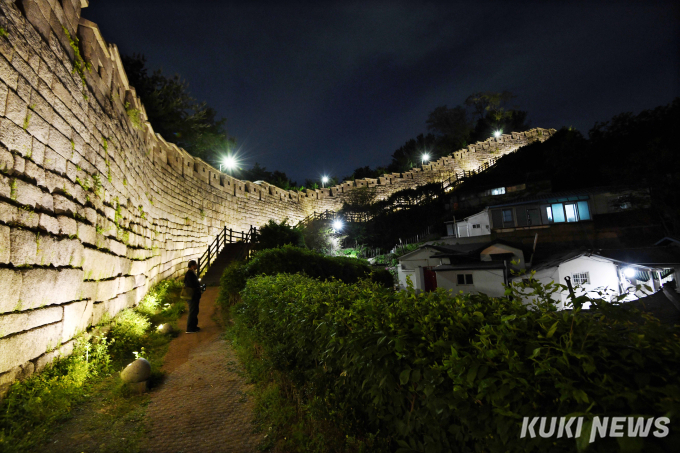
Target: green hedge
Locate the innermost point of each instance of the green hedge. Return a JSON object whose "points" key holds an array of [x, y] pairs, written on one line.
{"points": [[436, 372], [292, 260]]}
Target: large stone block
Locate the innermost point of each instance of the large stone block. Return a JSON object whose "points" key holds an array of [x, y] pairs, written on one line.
{"points": [[10, 281], [5, 244], [17, 322], [77, 317], [63, 205], [48, 223], [24, 247], [41, 287], [20, 348], [27, 194], [99, 265], [107, 289]]}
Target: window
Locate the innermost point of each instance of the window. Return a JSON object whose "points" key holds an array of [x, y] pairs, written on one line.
{"points": [[507, 215], [548, 211], [476, 225], [570, 209], [464, 279], [580, 278], [498, 191], [558, 212], [583, 210]]}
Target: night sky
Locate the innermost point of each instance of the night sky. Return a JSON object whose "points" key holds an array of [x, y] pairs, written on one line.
{"points": [[311, 88]]}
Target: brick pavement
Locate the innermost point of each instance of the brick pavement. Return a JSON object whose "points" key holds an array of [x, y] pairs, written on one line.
{"points": [[203, 404]]}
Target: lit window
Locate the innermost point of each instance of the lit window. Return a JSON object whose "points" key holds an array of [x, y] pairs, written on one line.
{"points": [[570, 210], [548, 210], [580, 278], [464, 279], [498, 191], [558, 212]]}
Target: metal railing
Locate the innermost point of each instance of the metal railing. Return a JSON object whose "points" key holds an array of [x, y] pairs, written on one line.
{"points": [[224, 237], [323, 215]]}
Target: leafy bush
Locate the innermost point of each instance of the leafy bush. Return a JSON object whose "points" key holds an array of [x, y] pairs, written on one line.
{"points": [[273, 235], [290, 260], [383, 277], [435, 372]]}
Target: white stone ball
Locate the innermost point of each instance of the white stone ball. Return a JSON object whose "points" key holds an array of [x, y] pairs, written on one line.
{"points": [[137, 371]]}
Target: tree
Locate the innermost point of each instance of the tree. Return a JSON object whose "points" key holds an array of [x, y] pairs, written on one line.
{"points": [[273, 235], [260, 173], [410, 154], [491, 112], [174, 113], [452, 126]]}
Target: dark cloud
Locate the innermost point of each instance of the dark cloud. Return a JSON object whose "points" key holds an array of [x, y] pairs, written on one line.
{"points": [[321, 87]]}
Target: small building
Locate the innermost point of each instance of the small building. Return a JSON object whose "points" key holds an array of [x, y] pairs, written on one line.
{"points": [[474, 268], [613, 272], [474, 225]]}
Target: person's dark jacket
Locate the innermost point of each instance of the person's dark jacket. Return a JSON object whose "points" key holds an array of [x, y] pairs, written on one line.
{"points": [[191, 281]]}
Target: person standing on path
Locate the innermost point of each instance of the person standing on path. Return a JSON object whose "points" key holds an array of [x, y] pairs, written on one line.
{"points": [[191, 281]]}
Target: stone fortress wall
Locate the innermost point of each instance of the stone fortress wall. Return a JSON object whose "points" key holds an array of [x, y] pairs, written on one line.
{"points": [[94, 206]]}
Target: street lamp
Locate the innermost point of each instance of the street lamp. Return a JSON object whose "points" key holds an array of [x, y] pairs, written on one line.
{"points": [[324, 180], [497, 134], [228, 163], [426, 158], [337, 225]]}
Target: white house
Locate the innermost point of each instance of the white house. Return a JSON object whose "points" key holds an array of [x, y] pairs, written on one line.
{"points": [[472, 268], [612, 272], [474, 225]]}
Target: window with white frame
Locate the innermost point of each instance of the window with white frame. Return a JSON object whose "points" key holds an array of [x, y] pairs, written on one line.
{"points": [[580, 278], [476, 225]]}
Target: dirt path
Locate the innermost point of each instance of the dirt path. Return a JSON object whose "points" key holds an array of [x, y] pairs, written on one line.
{"points": [[202, 405]]}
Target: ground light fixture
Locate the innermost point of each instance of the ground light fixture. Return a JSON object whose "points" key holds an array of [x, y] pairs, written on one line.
{"points": [[337, 225], [324, 180], [229, 163], [497, 134]]}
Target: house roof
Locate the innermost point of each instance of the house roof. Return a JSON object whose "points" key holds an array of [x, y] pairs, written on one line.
{"points": [[669, 240], [485, 210], [474, 249], [557, 197], [655, 256], [644, 256], [470, 266]]}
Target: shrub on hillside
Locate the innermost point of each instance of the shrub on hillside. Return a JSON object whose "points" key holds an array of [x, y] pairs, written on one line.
{"points": [[273, 235], [291, 260], [436, 372]]}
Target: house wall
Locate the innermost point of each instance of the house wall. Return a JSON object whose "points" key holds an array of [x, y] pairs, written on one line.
{"points": [[465, 228], [413, 266], [487, 281]]}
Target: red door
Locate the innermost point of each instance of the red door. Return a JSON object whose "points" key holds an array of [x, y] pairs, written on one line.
{"points": [[430, 279]]}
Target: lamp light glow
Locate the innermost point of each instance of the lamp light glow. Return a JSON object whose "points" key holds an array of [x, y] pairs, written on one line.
{"points": [[229, 163], [629, 272], [337, 224], [324, 180], [497, 134]]}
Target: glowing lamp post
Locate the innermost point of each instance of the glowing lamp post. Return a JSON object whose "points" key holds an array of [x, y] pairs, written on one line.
{"points": [[425, 158], [228, 163], [324, 180], [337, 225], [629, 272], [497, 134]]}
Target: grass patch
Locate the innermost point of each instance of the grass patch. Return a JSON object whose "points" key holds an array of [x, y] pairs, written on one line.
{"points": [[79, 401]]}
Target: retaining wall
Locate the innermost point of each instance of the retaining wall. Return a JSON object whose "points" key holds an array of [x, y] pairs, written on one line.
{"points": [[96, 207]]}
